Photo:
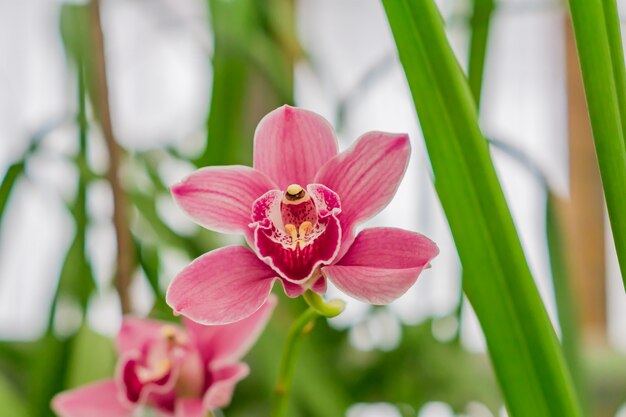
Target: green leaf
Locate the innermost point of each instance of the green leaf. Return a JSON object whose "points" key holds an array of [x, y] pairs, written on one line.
{"points": [[527, 359], [566, 309], [8, 182], [12, 404], [47, 373], [148, 258], [77, 280], [252, 75], [92, 358], [74, 28], [612, 21], [146, 206], [479, 26], [227, 142], [598, 41]]}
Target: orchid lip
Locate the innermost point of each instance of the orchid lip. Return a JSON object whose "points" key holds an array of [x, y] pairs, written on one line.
{"points": [[297, 231], [157, 366], [149, 378], [155, 372]]}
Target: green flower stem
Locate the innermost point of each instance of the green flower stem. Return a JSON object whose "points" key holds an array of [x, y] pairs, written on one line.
{"points": [[324, 308], [302, 326]]}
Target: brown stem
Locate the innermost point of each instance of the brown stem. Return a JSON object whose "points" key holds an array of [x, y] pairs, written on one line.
{"points": [[100, 101], [584, 213]]}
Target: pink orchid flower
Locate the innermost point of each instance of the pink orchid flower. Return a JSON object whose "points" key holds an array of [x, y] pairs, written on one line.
{"points": [[298, 209], [177, 372]]}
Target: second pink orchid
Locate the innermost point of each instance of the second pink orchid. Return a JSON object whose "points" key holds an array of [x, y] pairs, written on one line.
{"points": [[298, 209], [175, 371]]}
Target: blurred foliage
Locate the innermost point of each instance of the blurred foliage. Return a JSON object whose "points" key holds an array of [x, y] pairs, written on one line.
{"points": [[255, 48], [252, 74]]}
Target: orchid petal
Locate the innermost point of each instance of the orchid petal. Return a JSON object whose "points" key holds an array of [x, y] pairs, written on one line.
{"points": [[222, 345], [319, 286], [136, 332], [292, 290], [190, 407], [220, 198], [291, 144], [382, 264], [224, 380], [366, 177], [221, 287], [100, 399]]}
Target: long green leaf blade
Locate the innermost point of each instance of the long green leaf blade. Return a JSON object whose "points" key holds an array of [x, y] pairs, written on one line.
{"points": [[479, 24], [596, 29], [612, 22], [523, 346], [566, 309], [8, 182]]}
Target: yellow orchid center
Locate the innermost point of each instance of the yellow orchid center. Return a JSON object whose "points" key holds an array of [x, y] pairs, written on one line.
{"points": [[154, 372]]}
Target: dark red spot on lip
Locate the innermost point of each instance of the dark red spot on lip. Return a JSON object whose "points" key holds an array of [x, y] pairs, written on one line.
{"points": [[296, 214]]}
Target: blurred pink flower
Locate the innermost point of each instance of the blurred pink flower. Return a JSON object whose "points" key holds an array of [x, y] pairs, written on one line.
{"points": [[298, 209], [177, 372]]}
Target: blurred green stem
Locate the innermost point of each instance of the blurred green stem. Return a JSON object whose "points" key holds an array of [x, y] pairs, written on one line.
{"points": [[301, 327]]}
